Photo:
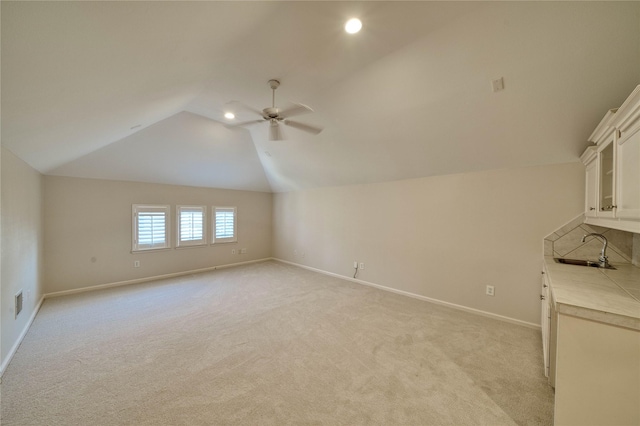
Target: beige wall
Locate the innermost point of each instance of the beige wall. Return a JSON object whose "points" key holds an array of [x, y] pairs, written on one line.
{"points": [[22, 242], [88, 231], [443, 237]]}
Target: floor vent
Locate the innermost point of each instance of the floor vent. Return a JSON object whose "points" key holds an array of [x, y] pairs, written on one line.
{"points": [[18, 301]]}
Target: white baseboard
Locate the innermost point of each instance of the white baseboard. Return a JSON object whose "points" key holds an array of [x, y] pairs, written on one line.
{"points": [[417, 296], [16, 345], [146, 279]]}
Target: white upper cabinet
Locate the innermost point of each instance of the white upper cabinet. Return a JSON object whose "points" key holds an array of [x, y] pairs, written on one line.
{"points": [[606, 179], [628, 168], [591, 183], [627, 123], [612, 196], [599, 163]]}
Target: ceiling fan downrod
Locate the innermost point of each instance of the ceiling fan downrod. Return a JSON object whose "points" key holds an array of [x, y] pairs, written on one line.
{"points": [[274, 84], [272, 113]]}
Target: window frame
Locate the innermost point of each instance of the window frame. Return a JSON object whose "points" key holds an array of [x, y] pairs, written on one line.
{"points": [[234, 238], [136, 209], [190, 243]]}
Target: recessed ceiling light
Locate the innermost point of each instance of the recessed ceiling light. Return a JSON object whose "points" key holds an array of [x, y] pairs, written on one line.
{"points": [[229, 115], [353, 26]]}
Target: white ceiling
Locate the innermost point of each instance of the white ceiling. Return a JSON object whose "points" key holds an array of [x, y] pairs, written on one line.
{"points": [[409, 96]]}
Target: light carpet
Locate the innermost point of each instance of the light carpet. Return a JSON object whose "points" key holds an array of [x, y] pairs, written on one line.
{"points": [[270, 344]]}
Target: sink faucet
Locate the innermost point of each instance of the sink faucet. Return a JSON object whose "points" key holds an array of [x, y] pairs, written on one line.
{"points": [[603, 254]]}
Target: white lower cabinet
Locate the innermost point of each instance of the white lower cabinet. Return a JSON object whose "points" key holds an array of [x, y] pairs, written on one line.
{"points": [[545, 321], [597, 376], [591, 340]]}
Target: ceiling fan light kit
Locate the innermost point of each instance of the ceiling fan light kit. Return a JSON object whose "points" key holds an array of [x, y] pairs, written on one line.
{"points": [[275, 116]]}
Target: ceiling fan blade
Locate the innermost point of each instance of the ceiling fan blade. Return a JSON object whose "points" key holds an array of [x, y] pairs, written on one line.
{"points": [[274, 131], [246, 107], [243, 124], [296, 109], [305, 127]]}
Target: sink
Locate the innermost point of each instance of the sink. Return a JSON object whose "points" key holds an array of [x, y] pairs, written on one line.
{"points": [[579, 262]]}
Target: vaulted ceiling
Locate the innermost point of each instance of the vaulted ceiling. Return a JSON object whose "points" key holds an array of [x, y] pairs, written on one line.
{"points": [[137, 90]]}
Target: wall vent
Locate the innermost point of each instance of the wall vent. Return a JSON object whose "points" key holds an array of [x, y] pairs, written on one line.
{"points": [[18, 303]]}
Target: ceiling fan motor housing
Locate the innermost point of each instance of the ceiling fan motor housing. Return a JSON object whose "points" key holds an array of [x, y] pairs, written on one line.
{"points": [[271, 112], [274, 84]]}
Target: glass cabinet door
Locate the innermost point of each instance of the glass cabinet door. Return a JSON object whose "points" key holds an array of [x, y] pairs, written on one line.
{"points": [[606, 199], [591, 199]]}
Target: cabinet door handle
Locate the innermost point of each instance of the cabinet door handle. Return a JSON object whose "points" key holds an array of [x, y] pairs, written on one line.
{"points": [[592, 208], [541, 297], [544, 285]]}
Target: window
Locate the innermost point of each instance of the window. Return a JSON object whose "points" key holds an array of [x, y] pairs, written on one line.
{"points": [[191, 223], [224, 225], [150, 227]]}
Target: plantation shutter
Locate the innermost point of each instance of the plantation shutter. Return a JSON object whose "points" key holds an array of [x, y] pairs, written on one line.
{"points": [[191, 225], [150, 227], [225, 224]]}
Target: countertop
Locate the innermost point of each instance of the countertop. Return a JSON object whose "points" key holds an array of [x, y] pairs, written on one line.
{"points": [[604, 295]]}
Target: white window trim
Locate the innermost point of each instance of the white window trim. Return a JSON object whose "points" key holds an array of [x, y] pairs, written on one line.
{"points": [[233, 239], [141, 208], [191, 243]]}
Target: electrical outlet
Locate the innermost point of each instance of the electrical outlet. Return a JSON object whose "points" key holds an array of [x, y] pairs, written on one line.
{"points": [[361, 265], [355, 264], [490, 290], [136, 263]]}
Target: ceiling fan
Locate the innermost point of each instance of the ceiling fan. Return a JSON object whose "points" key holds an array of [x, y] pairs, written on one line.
{"points": [[275, 116]]}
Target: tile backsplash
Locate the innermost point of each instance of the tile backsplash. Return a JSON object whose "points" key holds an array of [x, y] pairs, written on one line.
{"points": [[623, 247]]}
